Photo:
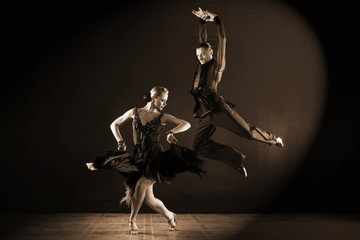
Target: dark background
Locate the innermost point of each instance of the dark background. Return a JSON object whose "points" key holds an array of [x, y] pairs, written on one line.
{"points": [[328, 181], [63, 82]]}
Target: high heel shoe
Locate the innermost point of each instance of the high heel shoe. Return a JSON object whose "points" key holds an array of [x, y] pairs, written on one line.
{"points": [[133, 229], [172, 223]]}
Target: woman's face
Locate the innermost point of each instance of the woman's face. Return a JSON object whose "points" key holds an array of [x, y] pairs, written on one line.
{"points": [[159, 102]]}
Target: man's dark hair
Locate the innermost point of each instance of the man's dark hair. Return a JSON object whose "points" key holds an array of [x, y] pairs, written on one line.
{"points": [[205, 45]]}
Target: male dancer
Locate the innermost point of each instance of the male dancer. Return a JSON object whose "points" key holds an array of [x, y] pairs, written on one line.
{"points": [[210, 107]]}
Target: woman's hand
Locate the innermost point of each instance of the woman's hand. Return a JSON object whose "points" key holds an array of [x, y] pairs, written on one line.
{"points": [[121, 146], [171, 139]]}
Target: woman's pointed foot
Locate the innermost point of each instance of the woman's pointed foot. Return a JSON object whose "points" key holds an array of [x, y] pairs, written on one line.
{"points": [[133, 229], [172, 223]]}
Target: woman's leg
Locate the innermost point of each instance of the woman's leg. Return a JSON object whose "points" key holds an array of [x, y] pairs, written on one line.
{"points": [[156, 204], [139, 195]]}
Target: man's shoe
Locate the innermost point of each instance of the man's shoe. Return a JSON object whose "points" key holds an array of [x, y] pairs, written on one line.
{"points": [[90, 166], [279, 142], [242, 169]]}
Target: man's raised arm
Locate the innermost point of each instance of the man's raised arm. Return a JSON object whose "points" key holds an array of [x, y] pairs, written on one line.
{"points": [[221, 44]]}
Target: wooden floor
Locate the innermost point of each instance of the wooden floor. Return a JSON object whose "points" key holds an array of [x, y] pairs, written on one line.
{"points": [[91, 226]]}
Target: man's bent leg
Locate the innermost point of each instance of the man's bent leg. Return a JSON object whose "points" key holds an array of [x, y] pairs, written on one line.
{"points": [[208, 148]]}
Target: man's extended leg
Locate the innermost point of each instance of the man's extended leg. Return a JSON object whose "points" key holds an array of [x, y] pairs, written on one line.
{"points": [[232, 121]]}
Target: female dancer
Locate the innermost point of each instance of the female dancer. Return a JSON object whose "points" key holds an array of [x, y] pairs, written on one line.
{"points": [[149, 163]]}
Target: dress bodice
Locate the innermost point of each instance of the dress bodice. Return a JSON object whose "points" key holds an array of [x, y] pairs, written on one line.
{"points": [[148, 135]]}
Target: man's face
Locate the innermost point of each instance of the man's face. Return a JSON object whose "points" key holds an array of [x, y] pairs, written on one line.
{"points": [[160, 101], [204, 54]]}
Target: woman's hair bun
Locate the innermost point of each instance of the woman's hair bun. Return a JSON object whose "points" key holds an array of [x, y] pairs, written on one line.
{"points": [[147, 97]]}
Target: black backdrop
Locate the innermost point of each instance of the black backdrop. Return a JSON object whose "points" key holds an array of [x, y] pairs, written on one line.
{"points": [[329, 178], [60, 92]]}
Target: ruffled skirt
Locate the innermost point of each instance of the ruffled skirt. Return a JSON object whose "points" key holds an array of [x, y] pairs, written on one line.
{"points": [[160, 166]]}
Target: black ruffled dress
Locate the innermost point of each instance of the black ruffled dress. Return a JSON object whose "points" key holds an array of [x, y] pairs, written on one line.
{"points": [[149, 158]]}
